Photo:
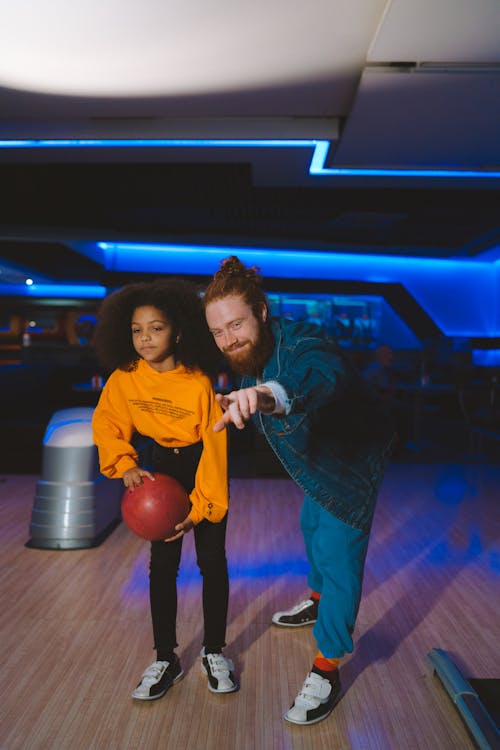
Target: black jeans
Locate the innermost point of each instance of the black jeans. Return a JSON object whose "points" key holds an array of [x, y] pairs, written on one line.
{"points": [[181, 463]]}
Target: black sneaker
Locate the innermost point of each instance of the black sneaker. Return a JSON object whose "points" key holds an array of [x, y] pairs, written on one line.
{"points": [[219, 671], [315, 700], [157, 679], [304, 613]]}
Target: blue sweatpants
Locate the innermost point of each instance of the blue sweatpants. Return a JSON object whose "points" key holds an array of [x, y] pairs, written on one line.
{"points": [[336, 553]]}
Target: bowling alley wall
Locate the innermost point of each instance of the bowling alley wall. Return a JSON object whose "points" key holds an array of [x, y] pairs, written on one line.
{"points": [[47, 360]]}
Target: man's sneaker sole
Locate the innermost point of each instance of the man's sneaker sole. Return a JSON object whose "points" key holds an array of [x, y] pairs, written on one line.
{"points": [[293, 624]]}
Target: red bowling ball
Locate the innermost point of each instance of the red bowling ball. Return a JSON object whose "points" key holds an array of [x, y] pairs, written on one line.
{"points": [[153, 509]]}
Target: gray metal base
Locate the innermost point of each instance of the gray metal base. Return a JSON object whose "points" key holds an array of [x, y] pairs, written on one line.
{"points": [[74, 506], [73, 544]]}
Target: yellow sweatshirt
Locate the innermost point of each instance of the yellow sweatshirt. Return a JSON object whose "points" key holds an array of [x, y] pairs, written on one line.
{"points": [[176, 408]]}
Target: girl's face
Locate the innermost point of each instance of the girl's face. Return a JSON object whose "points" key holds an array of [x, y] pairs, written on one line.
{"points": [[152, 337]]}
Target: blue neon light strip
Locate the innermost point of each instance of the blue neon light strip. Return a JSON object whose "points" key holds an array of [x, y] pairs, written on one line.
{"points": [[294, 264], [56, 291], [433, 282], [317, 166], [158, 143]]}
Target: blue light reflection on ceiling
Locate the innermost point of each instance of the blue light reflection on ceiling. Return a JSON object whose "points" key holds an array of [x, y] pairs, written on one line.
{"points": [[486, 357], [317, 168], [293, 264], [437, 284]]}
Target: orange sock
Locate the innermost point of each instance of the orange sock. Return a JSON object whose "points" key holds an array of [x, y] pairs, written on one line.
{"points": [[315, 596], [326, 665]]}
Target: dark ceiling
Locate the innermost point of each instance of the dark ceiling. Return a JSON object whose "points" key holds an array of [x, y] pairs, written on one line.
{"points": [[48, 205]]}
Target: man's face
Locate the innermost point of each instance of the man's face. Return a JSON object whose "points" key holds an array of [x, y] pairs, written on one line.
{"points": [[241, 336]]}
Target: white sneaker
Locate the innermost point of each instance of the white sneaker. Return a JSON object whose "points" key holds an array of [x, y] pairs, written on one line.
{"points": [[219, 671], [303, 613], [157, 679], [315, 701]]}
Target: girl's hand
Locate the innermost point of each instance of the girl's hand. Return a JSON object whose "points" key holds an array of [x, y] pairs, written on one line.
{"points": [[133, 477], [182, 528]]}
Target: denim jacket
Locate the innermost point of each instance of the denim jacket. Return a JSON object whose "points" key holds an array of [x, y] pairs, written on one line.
{"points": [[335, 440]]}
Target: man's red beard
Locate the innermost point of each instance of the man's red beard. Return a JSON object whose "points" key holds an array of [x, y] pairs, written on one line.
{"points": [[252, 360]]}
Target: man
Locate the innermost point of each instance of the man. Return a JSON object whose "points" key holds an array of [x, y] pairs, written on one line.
{"points": [[326, 427]]}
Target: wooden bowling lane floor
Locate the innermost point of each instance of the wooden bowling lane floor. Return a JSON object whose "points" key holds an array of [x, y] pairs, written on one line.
{"points": [[75, 629]]}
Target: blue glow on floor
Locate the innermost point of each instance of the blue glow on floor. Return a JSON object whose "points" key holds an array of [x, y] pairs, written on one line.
{"points": [[451, 489], [268, 569], [494, 561]]}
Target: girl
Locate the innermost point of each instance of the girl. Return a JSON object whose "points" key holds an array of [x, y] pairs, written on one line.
{"points": [[154, 338]]}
